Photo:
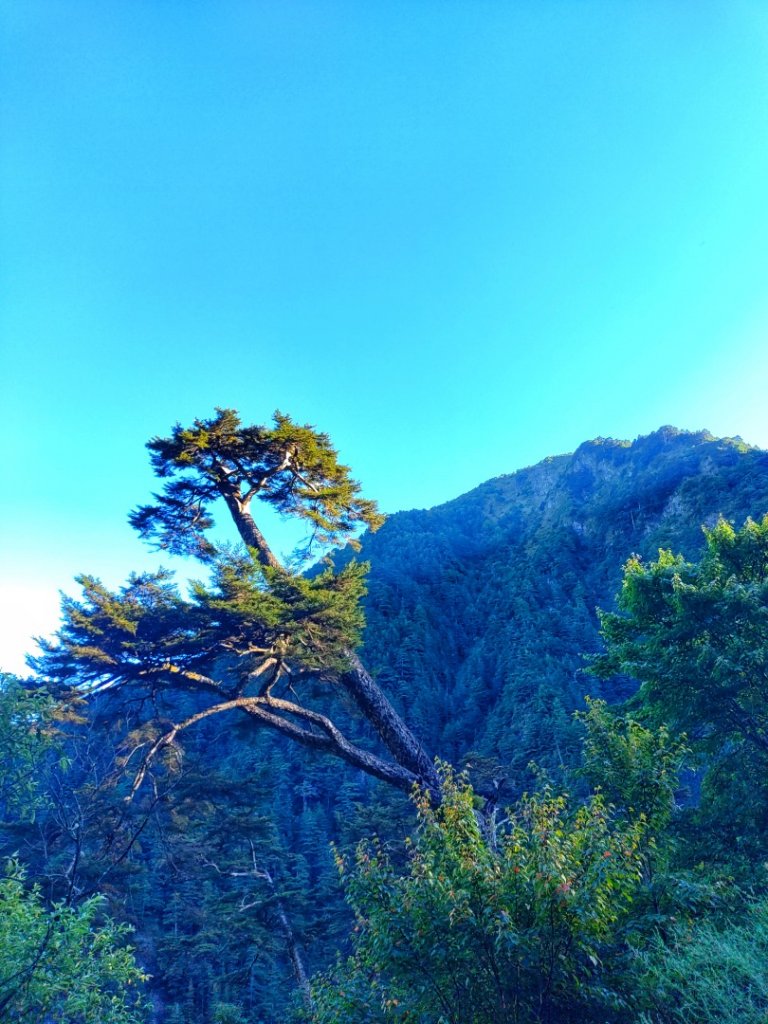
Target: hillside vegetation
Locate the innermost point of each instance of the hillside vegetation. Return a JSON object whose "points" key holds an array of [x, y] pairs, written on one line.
{"points": [[479, 611], [181, 764]]}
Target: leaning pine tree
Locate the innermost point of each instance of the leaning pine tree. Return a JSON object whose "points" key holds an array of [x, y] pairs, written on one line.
{"points": [[246, 641]]}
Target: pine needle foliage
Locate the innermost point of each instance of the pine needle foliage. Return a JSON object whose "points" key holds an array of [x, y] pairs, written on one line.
{"points": [[292, 467]]}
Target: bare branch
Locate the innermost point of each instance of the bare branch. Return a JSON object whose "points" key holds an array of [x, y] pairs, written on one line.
{"points": [[255, 488], [266, 710]]}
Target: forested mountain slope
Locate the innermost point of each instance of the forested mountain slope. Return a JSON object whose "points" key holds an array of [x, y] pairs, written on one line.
{"points": [[479, 610], [479, 613]]}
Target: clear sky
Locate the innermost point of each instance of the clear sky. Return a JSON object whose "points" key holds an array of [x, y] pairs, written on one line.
{"points": [[458, 236]]}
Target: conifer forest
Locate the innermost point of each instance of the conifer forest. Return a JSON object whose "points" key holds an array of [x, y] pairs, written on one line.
{"points": [[502, 761]]}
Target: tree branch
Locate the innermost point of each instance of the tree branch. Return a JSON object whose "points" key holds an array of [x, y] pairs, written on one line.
{"points": [[330, 739]]}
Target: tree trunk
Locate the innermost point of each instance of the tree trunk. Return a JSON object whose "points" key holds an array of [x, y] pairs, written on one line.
{"points": [[251, 535], [358, 683], [299, 971], [394, 733]]}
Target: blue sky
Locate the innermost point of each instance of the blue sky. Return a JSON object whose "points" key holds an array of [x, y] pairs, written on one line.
{"points": [[459, 237]]}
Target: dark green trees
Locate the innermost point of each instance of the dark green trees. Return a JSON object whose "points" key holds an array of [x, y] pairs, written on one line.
{"points": [[61, 960]]}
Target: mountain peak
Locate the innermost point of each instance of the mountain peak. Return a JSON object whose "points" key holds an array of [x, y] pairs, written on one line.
{"points": [[479, 610]]}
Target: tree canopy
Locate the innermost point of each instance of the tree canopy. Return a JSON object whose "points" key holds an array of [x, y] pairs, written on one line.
{"points": [[256, 637], [695, 635], [291, 467], [520, 927]]}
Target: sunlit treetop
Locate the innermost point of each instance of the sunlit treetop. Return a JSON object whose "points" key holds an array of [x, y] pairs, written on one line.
{"points": [[695, 635], [293, 468]]}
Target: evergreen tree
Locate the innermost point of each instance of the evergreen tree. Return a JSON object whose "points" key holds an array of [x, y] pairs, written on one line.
{"points": [[257, 627]]}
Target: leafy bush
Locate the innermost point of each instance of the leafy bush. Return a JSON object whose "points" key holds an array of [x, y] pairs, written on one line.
{"points": [[519, 923], [60, 964], [228, 1013]]}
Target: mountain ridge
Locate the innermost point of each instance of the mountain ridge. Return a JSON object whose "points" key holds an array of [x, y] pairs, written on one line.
{"points": [[480, 609]]}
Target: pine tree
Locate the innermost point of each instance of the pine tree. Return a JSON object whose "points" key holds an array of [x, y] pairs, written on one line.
{"points": [[257, 630]]}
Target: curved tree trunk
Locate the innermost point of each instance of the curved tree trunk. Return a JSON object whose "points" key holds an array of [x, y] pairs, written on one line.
{"points": [[357, 682], [394, 733]]}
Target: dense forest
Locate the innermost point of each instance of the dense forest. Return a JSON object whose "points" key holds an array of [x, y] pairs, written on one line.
{"points": [[503, 760]]}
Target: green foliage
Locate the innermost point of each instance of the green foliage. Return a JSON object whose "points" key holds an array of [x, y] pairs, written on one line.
{"points": [[63, 963], [247, 612], [57, 961], [293, 468], [314, 619], [695, 634], [228, 1013], [706, 974], [637, 769], [521, 924], [26, 739]]}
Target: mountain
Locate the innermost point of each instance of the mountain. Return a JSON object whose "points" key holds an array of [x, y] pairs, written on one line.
{"points": [[480, 610], [479, 613]]}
